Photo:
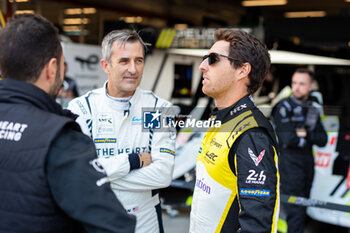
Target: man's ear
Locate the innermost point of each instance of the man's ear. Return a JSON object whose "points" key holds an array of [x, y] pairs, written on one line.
{"points": [[47, 76], [51, 70], [105, 65], [244, 70]]}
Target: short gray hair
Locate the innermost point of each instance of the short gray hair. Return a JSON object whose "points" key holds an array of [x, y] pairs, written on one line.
{"points": [[122, 36]]}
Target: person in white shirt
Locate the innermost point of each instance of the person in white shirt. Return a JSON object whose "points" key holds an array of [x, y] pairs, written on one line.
{"points": [[113, 117]]}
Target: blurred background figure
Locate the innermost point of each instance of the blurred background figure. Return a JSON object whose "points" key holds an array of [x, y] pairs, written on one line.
{"points": [[69, 89], [298, 127]]}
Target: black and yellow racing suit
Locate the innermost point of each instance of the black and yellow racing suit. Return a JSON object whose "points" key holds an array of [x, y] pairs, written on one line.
{"points": [[237, 179]]}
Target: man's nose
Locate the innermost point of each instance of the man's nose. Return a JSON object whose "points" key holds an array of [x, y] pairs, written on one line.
{"points": [[203, 66], [132, 67]]}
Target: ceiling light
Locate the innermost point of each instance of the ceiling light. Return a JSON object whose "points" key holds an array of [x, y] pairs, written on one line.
{"points": [[132, 19], [304, 14], [181, 26], [249, 3], [71, 28], [17, 12], [296, 40], [73, 21], [79, 11], [12, 1], [89, 10]]}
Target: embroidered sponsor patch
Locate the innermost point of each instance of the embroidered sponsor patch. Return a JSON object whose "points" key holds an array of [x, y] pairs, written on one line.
{"points": [[255, 192], [256, 159], [200, 183], [133, 210], [136, 120], [255, 177], [165, 150], [105, 140], [105, 123], [210, 157], [213, 142], [237, 109]]}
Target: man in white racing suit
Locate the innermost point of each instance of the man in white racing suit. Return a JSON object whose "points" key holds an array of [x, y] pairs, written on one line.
{"points": [[113, 117]]}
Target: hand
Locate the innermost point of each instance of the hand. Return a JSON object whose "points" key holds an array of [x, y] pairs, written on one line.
{"points": [[301, 132], [145, 159]]}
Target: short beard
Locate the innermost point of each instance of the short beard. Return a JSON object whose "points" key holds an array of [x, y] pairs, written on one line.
{"points": [[55, 89]]}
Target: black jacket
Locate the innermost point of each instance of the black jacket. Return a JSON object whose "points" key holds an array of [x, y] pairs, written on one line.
{"points": [[290, 114], [46, 182]]}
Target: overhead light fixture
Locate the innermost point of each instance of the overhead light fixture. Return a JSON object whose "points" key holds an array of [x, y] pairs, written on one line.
{"points": [[181, 26], [75, 21], [347, 1], [132, 19], [249, 3], [79, 11], [71, 28], [296, 40], [12, 1], [304, 14], [17, 12]]}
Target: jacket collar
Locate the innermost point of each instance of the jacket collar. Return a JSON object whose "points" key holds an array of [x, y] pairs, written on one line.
{"points": [[242, 105], [300, 102], [133, 98]]}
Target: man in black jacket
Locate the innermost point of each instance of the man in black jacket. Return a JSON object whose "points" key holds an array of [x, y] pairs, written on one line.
{"points": [[46, 181], [298, 127]]}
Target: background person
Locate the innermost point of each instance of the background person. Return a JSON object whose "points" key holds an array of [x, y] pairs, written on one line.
{"points": [[112, 116], [71, 85], [68, 91], [46, 182], [236, 174], [298, 127]]}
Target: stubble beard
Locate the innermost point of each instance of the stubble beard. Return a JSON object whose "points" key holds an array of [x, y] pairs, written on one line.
{"points": [[57, 85]]}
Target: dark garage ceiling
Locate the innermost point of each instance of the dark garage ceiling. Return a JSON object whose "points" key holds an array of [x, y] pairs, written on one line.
{"points": [[329, 33]]}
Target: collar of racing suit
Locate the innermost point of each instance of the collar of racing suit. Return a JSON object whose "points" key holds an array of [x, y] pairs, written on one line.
{"points": [[305, 103], [226, 114], [111, 102]]}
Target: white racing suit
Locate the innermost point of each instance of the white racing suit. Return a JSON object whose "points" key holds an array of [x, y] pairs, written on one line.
{"points": [[118, 133]]}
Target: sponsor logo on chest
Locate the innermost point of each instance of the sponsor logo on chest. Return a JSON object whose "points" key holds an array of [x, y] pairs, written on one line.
{"points": [[105, 123], [210, 157]]}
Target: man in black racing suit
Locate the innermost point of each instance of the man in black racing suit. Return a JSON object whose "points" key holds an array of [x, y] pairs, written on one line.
{"points": [[298, 126]]}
